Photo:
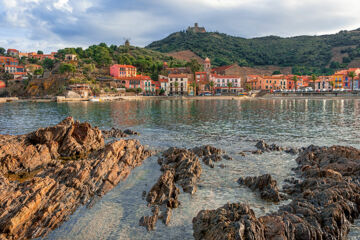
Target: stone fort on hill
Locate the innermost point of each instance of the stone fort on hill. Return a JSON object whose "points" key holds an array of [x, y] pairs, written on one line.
{"points": [[196, 29]]}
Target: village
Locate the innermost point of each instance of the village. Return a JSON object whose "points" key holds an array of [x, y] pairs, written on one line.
{"points": [[122, 79]]}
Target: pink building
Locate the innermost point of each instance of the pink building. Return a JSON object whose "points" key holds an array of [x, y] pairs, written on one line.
{"points": [[134, 82], [118, 70]]}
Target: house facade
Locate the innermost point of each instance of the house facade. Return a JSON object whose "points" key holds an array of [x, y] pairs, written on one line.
{"points": [[178, 84], [226, 83], [118, 70]]}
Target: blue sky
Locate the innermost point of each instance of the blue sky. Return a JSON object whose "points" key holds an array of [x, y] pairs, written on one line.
{"points": [[29, 25]]}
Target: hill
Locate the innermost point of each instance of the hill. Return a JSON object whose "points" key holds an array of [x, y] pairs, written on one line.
{"points": [[308, 53]]}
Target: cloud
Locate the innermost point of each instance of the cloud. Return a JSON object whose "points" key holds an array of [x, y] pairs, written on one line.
{"points": [[52, 24]]}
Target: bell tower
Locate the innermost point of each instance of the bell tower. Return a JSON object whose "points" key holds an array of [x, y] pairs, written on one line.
{"points": [[207, 66]]}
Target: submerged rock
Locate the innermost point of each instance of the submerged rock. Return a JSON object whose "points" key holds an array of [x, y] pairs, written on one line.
{"points": [[47, 174], [179, 166], [324, 203], [262, 147], [265, 184]]}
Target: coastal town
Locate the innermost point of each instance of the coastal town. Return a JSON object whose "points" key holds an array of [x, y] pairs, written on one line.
{"points": [[27, 69]]}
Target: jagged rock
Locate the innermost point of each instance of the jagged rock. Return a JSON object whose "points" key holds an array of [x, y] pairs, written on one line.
{"points": [[118, 133], [114, 133], [150, 221], [262, 147], [265, 184], [179, 166], [324, 203], [227, 157], [131, 132], [42, 183], [232, 221], [210, 154], [242, 154]]}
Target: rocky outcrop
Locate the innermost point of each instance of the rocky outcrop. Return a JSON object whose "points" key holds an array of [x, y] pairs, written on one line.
{"points": [[47, 174], [210, 154], [265, 184], [118, 133], [262, 147], [324, 203], [178, 166]]}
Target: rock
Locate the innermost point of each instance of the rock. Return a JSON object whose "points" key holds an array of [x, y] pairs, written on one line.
{"points": [[118, 133], [232, 221], [114, 133], [47, 174], [222, 166], [179, 166], [131, 132], [242, 154], [150, 221], [264, 147], [210, 154], [324, 202], [265, 184], [292, 151], [72, 94]]}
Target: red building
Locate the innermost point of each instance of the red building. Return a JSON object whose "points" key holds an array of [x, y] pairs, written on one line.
{"points": [[13, 52], [118, 70]]}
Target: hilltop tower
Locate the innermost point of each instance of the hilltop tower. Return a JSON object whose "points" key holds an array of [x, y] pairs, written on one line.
{"points": [[196, 29]]}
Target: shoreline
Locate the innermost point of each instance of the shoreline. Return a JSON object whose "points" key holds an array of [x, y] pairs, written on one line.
{"points": [[147, 98]]}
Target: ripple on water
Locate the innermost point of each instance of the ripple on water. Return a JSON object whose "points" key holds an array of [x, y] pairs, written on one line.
{"points": [[231, 125]]}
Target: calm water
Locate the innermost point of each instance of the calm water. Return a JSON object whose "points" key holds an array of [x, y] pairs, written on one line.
{"points": [[229, 124]]}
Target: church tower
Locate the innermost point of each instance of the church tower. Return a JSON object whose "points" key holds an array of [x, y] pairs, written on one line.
{"points": [[207, 66]]}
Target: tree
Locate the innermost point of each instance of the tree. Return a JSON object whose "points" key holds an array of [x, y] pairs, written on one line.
{"points": [[295, 79], [194, 86], [48, 63], [67, 68], [352, 75], [277, 72], [40, 52], [176, 84], [313, 79], [39, 72], [212, 84], [229, 86], [2, 51]]}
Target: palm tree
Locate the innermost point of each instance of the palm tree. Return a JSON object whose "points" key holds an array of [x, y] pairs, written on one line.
{"points": [[295, 79], [352, 75], [212, 86], [193, 84], [229, 86], [313, 78], [176, 87]]}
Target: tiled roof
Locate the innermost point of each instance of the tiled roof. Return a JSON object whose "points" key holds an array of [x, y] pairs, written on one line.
{"points": [[123, 66], [178, 76], [138, 77], [225, 76]]}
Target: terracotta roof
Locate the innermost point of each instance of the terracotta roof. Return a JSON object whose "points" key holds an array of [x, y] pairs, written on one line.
{"points": [[225, 76], [178, 76], [138, 77], [123, 66], [223, 68], [12, 50], [163, 80]]}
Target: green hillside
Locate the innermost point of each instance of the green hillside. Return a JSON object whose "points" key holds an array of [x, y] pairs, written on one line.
{"points": [[312, 52]]}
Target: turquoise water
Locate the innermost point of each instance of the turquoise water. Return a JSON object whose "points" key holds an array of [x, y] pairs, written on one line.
{"points": [[232, 125]]}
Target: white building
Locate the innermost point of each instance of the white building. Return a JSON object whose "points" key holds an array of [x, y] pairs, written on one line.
{"points": [[178, 84], [222, 84]]}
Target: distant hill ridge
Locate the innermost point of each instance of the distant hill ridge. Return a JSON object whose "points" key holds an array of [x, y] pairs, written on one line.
{"points": [[327, 51]]}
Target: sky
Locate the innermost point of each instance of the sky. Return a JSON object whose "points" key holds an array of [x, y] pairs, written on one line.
{"points": [[49, 25]]}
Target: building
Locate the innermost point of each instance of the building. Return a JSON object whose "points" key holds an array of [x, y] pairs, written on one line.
{"points": [[41, 57], [164, 84], [17, 71], [120, 71], [8, 61], [178, 84], [30, 68], [133, 82], [341, 79], [83, 90], [13, 52], [323, 83], [2, 84], [71, 57], [226, 83], [196, 29], [274, 82]]}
